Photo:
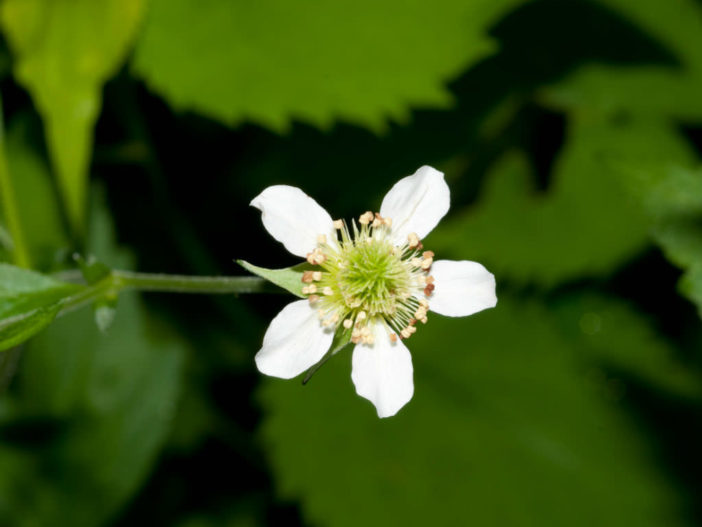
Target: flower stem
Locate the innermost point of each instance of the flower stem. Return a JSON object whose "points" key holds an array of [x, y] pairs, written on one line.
{"points": [[117, 281]]}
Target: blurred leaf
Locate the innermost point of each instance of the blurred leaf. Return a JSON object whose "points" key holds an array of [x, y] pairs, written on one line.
{"points": [[672, 196], [65, 51], [289, 278], [111, 397], [38, 205], [585, 224], [22, 290], [513, 422], [17, 329], [646, 90], [29, 301], [317, 63]]}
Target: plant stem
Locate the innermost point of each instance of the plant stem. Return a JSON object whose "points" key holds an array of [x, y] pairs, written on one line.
{"points": [[9, 205], [116, 281]]}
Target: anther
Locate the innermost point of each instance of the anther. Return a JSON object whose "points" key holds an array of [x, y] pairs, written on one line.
{"points": [[430, 279], [428, 254], [416, 262], [426, 263], [413, 240], [316, 275], [361, 316], [429, 289], [327, 291], [348, 323], [308, 277], [393, 338], [313, 298], [365, 218], [388, 223], [405, 334], [338, 224]]}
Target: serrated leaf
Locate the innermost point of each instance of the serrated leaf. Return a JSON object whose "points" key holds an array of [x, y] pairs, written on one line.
{"points": [[512, 422], [585, 224], [65, 51], [318, 63], [671, 90], [289, 278]]}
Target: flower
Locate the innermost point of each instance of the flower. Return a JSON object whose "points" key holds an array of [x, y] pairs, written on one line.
{"points": [[373, 279]]}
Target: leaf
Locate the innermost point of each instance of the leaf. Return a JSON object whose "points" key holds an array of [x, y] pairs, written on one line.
{"points": [[15, 330], [22, 291], [110, 398], [584, 225], [512, 422], [37, 203], [289, 278], [647, 90], [65, 50], [318, 63], [672, 196]]}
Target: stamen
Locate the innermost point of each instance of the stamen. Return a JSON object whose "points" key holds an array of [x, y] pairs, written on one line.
{"points": [[308, 277], [413, 240], [338, 224]]}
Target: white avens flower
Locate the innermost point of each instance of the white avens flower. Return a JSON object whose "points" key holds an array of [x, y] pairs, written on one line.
{"points": [[374, 279]]}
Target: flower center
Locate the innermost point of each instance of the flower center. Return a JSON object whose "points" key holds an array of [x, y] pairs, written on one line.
{"points": [[364, 278]]}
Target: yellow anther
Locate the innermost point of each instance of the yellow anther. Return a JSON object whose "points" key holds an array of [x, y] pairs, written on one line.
{"points": [[361, 316], [413, 240], [348, 323], [428, 254], [388, 223], [307, 277], [430, 279], [327, 291], [338, 224], [424, 303], [405, 334], [416, 262], [376, 223], [426, 263], [365, 218], [316, 275]]}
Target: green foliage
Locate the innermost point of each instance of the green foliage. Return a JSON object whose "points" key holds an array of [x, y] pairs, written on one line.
{"points": [[505, 428], [585, 225], [66, 50], [111, 398], [671, 90], [317, 63], [29, 301], [672, 196]]}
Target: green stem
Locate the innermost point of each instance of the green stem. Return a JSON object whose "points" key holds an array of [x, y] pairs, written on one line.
{"points": [[117, 281], [9, 205]]}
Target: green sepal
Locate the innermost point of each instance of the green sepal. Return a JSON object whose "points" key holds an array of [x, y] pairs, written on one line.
{"points": [[341, 338], [289, 278]]}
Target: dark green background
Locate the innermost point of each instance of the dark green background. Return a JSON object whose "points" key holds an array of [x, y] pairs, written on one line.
{"points": [[570, 134]]}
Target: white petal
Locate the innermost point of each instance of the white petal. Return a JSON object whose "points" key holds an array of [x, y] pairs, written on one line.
{"points": [[294, 342], [382, 373], [462, 288], [293, 218], [416, 203]]}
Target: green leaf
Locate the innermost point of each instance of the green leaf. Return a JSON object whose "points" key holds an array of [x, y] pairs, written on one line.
{"points": [[65, 50], [647, 90], [358, 62], [672, 196], [513, 421], [15, 330], [289, 278], [584, 225], [22, 291], [110, 397], [37, 202]]}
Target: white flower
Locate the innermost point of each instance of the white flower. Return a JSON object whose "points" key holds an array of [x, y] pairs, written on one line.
{"points": [[373, 280]]}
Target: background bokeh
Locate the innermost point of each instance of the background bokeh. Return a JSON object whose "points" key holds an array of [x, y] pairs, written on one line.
{"points": [[570, 133]]}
